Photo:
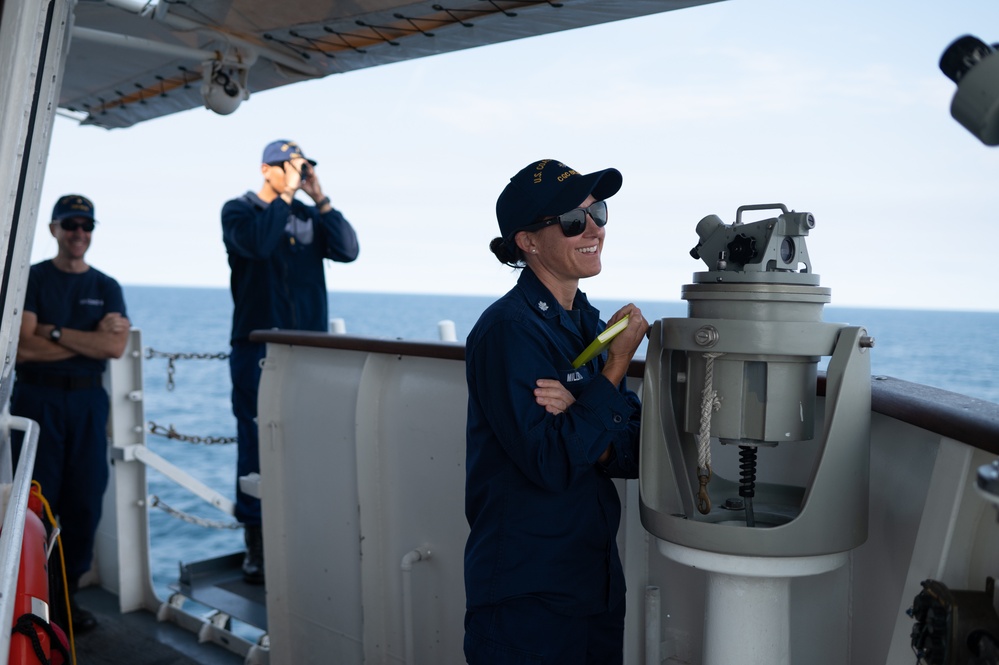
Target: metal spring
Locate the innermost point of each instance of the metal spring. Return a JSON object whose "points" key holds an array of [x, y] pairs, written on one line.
{"points": [[747, 471]]}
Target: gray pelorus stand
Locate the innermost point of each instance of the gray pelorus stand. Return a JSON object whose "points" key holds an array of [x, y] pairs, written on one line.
{"points": [[737, 379]]}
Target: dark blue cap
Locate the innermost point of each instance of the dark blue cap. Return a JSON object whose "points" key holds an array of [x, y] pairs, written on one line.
{"points": [[73, 205], [283, 150], [547, 188]]}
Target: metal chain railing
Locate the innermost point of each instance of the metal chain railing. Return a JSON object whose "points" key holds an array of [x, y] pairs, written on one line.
{"points": [[157, 502], [171, 357], [171, 433]]}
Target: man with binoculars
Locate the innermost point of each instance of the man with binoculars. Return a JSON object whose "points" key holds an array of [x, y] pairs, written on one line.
{"points": [[276, 246]]}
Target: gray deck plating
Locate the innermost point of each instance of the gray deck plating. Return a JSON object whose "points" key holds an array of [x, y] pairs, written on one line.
{"points": [[218, 583], [137, 637]]}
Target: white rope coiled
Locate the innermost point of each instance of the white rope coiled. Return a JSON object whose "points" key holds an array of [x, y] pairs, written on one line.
{"points": [[710, 403]]}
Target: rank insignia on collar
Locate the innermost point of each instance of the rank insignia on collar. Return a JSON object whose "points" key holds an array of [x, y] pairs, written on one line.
{"points": [[542, 305]]}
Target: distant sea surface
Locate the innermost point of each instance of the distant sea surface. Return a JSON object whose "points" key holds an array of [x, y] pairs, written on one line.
{"points": [[957, 351]]}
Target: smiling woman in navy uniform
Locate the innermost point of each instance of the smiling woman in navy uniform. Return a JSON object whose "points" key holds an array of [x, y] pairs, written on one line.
{"points": [[543, 578], [74, 319]]}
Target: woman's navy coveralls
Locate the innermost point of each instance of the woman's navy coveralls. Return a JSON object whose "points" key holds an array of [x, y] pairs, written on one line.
{"points": [[543, 511]]}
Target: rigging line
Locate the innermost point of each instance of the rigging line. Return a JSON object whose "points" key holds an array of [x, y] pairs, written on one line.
{"points": [[375, 30], [412, 22], [315, 43], [324, 44], [123, 99], [102, 108], [453, 11], [500, 9], [454, 16], [535, 2], [219, 27], [442, 8], [399, 28], [187, 81], [343, 37], [288, 45]]}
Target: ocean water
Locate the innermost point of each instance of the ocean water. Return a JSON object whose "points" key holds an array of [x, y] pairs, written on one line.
{"points": [[957, 351]]}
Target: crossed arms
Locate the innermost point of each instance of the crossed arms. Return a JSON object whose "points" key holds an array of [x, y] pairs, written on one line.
{"points": [[108, 340]]}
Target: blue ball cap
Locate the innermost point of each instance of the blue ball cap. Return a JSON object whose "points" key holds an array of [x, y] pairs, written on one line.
{"points": [[546, 188], [283, 150], [73, 205]]}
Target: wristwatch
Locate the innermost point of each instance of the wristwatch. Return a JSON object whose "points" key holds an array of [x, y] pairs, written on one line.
{"points": [[55, 334]]}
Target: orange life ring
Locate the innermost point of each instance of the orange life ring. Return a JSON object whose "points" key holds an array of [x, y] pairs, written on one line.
{"points": [[32, 596]]}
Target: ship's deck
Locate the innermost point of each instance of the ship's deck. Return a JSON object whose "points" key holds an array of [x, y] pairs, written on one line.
{"points": [[137, 637]]}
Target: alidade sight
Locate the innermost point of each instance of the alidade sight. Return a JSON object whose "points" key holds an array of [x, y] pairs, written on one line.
{"points": [[770, 245]]}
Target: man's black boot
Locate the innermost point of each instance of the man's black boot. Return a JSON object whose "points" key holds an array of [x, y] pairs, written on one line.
{"points": [[253, 562], [83, 621]]}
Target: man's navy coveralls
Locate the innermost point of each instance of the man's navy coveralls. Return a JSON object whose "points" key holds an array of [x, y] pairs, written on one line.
{"points": [[67, 399], [276, 254]]}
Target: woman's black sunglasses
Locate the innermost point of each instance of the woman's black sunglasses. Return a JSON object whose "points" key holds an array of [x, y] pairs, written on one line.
{"points": [[70, 225], [574, 222]]}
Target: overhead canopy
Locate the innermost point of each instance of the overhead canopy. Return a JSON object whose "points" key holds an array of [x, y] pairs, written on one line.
{"points": [[131, 61]]}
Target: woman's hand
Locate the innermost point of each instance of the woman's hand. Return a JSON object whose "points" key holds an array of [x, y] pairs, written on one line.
{"points": [[552, 395], [622, 348]]}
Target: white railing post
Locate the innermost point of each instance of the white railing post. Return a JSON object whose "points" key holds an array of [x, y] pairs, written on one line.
{"points": [[13, 524]]}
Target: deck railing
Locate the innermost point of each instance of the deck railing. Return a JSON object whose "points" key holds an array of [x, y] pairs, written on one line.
{"points": [[13, 525], [972, 421]]}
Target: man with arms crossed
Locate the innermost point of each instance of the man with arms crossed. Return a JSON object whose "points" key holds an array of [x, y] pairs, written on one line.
{"points": [[74, 320]]}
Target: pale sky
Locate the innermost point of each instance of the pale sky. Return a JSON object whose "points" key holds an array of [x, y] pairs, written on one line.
{"points": [[836, 108]]}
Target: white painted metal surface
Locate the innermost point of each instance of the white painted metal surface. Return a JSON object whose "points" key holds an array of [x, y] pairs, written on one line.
{"points": [[362, 460], [748, 601], [122, 541], [33, 37]]}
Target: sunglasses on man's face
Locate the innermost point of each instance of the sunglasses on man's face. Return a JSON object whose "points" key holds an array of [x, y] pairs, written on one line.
{"points": [[574, 222], [70, 225]]}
